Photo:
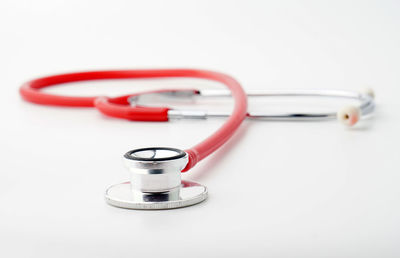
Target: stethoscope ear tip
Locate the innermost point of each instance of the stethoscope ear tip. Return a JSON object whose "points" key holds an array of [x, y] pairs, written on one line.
{"points": [[370, 92], [349, 115]]}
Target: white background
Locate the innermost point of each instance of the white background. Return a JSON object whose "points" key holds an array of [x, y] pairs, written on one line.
{"points": [[277, 189]]}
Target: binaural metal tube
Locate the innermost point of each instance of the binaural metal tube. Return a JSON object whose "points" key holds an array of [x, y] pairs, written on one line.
{"points": [[366, 107]]}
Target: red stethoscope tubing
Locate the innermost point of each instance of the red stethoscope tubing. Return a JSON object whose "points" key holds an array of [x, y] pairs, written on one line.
{"points": [[31, 92]]}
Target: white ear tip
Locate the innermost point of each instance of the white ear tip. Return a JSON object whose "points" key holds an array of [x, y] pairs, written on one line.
{"points": [[349, 115], [370, 92]]}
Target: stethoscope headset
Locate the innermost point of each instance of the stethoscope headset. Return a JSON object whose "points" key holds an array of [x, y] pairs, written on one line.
{"points": [[155, 172]]}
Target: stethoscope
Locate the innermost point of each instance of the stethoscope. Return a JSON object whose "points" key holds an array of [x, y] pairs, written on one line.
{"points": [[155, 172]]}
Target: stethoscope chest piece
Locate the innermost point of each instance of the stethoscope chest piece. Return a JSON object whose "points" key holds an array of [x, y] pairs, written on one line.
{"points": [[155, 181]]}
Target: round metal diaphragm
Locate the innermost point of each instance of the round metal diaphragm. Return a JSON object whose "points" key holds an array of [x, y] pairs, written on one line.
{"points": [[187, 194]]}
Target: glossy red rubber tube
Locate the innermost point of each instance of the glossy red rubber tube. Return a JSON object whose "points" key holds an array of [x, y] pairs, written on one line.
{"points": [[30, 91], [120, 107]]}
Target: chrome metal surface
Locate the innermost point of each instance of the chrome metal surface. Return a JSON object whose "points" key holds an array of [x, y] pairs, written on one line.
{"points": [[133, 100], [189, 193], [189, 114], [366, 105], [155, 181]]}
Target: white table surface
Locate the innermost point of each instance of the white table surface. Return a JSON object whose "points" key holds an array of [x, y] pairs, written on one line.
{"points": [[277, 189]]}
